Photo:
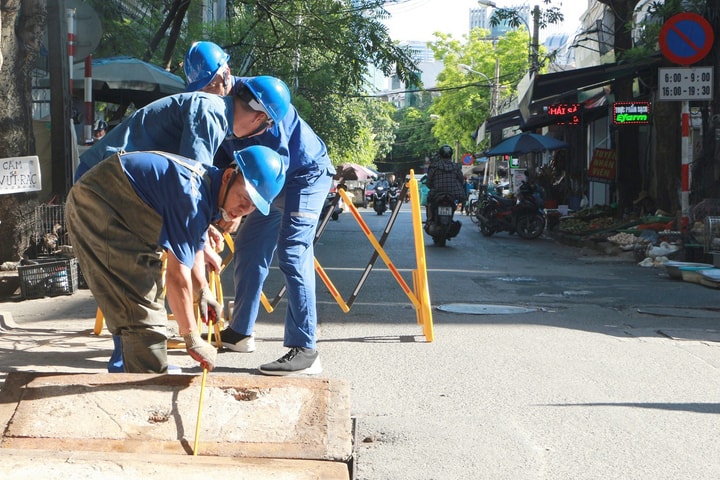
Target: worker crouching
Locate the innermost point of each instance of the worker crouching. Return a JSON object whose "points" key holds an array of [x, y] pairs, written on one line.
{"points": [[129, 210]]}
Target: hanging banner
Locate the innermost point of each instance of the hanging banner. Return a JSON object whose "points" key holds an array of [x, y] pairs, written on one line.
{"points": [[602, 165], [20, 174]]}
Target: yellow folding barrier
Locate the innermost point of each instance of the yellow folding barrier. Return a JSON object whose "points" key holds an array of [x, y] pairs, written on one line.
{"points": [[419, 295]]}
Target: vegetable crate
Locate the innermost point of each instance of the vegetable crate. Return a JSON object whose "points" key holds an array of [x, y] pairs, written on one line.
{"points": [[48, 278]]}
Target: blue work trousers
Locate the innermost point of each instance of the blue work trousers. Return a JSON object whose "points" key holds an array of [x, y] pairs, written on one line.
{"points": [[290, 228]]}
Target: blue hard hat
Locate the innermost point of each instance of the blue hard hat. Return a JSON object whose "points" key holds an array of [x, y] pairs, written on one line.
{"points": [[202, 62], [272, 96], [264, 174]]}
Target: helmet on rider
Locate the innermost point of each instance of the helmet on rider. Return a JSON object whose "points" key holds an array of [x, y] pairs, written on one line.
{"points": [[264, 174], [265, 94], [445, 151], [100, 125], [202, 62]]}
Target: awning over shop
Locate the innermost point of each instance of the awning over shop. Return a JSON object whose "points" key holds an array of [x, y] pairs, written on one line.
{"points": [[504, 120], [570, 82], [573, 86], [581, 85]]}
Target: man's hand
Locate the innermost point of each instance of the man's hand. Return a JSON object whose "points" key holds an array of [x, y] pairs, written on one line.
{"points": [[210, 309], [200, 350], [215, 239], [229, 227], [212, 259]]}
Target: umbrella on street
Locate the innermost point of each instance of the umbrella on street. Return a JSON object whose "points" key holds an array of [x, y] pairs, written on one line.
{"points": [[126, 80], [353, 171], [526, 142]]}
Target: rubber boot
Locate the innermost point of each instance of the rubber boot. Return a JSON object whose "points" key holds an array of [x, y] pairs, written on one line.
{"points": [[115, 364]]}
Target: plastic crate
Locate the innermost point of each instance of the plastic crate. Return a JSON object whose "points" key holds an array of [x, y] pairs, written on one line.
{"points": [[48, 278]]}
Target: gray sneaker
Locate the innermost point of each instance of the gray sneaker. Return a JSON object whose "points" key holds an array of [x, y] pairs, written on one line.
{"points": [[298, 360]]}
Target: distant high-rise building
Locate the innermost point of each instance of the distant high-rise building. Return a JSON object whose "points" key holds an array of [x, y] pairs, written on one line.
{"points": [[479, 18], [420, 51]]}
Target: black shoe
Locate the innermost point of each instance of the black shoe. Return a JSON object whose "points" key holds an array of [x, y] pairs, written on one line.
{"points": [[234, 341], [297, 360]]}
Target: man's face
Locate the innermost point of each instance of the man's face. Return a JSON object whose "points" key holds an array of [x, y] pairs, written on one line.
{"points": [[237, 201], [220, 85], [248, 123]]}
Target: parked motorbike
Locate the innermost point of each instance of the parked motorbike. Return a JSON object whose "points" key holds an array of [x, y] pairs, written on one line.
{"points": [[380, 199], [524, 215], [440, 224], [471, 204], [331, 204]]}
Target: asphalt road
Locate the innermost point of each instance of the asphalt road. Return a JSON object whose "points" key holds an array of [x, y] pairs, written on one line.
{"points": [[611, 372], [582, 386]]}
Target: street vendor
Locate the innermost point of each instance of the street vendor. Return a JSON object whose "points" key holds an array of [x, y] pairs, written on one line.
{"points": [[129, 209]]}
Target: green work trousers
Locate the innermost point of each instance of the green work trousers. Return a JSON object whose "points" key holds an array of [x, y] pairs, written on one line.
{"points": [[114, 235]]}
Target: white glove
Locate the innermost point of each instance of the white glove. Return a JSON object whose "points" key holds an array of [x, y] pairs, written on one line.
{"points": [[200, 350]]}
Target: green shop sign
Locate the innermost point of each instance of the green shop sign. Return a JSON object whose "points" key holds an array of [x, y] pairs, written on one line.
{"points": [[631, 113]]}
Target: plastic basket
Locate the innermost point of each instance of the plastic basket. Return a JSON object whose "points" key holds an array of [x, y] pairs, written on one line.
{"points": [[48, 278]]}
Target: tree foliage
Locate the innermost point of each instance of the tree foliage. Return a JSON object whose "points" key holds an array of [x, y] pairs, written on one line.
{"points": [[321, 48], [466, 96]]}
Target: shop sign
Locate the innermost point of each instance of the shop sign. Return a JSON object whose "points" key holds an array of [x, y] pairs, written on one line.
{"points": [[631, 113], [20, 174], [567, 113], [602, 165]]}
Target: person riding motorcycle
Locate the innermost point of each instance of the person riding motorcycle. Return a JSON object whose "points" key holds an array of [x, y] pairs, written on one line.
{"points": [[444, 176]]}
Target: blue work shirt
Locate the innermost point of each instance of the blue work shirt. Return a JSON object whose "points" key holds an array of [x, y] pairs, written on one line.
{"points": [[189, 124], [297, 144], [185, 198]]}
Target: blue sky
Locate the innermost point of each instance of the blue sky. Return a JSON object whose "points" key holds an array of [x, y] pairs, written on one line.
{"points": [[418, 19]]}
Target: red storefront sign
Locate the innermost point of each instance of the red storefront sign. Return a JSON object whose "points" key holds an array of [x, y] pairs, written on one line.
{"points": [[602, 165]]}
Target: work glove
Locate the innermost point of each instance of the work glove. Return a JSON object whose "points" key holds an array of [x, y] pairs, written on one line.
{"points": [[210, 309], [200, 350]]}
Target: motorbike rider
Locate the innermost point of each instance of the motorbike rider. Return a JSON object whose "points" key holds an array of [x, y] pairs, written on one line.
{"points": [[444, 176]]}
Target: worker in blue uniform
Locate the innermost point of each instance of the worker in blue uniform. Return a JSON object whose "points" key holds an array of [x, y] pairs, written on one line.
{"points": [[188, 124], [168, 202], [289, 228]]}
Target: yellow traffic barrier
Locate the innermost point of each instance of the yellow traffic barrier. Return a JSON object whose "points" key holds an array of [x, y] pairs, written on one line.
{"points": [[424, 312], [419, 295], [378, 248], [333, 291]]}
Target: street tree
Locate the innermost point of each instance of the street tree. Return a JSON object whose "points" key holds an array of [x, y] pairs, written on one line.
{"points": [[414, 141], [21, 26], [465, 98], [664, 173], [321, 48]]}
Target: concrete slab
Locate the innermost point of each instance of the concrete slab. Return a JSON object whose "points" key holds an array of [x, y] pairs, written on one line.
{"points": [[242, 415], [24, 464]]}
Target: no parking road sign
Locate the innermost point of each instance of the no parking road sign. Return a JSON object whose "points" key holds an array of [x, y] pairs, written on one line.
{"points": [[686, 38]]}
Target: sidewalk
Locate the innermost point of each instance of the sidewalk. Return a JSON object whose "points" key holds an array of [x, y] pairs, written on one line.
{"points": [[270, 427]]}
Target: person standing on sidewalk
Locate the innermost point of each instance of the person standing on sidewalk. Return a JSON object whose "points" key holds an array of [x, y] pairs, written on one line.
{"points": [[129, 209], [289, 228]]}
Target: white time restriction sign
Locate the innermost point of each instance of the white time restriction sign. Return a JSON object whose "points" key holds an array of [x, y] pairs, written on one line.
{"points": [[685, 83]]}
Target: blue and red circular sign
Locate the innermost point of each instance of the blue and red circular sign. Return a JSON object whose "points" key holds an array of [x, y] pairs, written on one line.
{"points": [[468, 159], [686, 38]]}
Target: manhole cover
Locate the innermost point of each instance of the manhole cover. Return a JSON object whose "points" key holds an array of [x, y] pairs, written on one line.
{"points": [[480, 309]]}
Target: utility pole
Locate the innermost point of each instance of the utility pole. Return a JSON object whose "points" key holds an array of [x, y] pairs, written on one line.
{"points": [[535, 47], [495, 102]]}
